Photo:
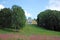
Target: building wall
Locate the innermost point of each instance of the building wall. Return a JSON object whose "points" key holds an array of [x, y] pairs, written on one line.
{"points": [[34, 22]]}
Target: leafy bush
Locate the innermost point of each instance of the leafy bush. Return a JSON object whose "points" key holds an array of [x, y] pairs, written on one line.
{"points": [[49, 19]]}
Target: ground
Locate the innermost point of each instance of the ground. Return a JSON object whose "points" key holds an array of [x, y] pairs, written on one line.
{"points": [[30, 32], [24, 37]]}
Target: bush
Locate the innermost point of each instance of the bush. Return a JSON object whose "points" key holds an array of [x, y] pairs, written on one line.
{"points": [[49, 19]]}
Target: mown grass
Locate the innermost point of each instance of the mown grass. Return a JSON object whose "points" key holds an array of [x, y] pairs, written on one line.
{"points": [[35, 30], [31, 30]]}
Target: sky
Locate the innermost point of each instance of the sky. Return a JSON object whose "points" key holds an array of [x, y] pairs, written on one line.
{"points": [[32, 7]]}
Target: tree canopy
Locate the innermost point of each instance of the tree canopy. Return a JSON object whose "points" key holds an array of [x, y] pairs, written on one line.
{"points": [[5, 17], [12, 18], [18, 16], [49, 19]]}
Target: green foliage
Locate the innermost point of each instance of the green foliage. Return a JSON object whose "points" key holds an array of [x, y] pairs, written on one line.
{"points": [[31, 29], [49, 19], [18, 17], [12, 18], [5, 18]]}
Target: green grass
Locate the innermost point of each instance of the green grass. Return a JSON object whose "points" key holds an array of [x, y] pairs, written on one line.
{"points": [[35, 30], [32, 30]]}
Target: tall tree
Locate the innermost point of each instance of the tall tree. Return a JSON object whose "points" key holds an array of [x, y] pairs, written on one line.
{"points": [[49, 19], [18, 16], [5, 17]]}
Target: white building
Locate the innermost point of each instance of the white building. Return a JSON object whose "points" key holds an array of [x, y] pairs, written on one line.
{"points": [[29, 20]]}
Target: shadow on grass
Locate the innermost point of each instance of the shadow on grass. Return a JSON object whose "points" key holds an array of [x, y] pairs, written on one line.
{"points": [[9, 30], [46, 28]]}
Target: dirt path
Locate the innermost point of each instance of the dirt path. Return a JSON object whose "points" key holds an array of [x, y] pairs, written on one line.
{"points": [[31, 37]]}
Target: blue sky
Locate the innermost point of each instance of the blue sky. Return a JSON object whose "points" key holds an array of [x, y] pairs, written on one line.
{"points": [[31, 7]]}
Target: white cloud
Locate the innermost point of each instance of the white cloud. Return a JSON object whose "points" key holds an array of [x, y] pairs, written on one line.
{"points": [[54, 5], [27, 14], [1, 6]]}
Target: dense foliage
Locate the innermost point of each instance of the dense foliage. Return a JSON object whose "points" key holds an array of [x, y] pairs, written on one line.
{"points": [[12, 18], [18, 17], [5, 18], [49, 19]]}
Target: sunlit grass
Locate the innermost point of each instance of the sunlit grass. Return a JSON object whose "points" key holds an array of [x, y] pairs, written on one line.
{"points": [[31, 30], [35, 30]]}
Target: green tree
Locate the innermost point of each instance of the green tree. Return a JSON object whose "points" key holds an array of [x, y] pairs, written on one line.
{"points": [[49, 19], [18, 17], [5, 17]]}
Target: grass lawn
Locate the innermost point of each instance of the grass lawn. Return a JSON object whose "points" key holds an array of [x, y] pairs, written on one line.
{"points": [[32, 30]]}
